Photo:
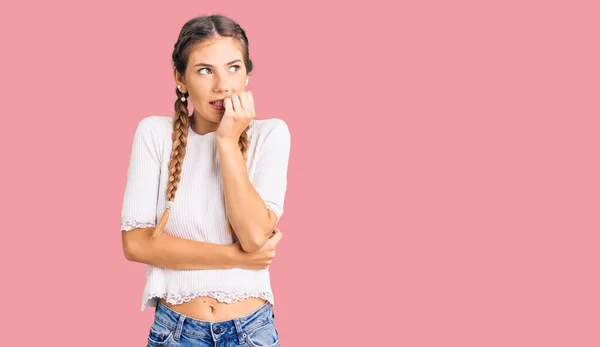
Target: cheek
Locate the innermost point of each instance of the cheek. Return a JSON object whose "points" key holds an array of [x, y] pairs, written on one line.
{"points": [[201, 91]]}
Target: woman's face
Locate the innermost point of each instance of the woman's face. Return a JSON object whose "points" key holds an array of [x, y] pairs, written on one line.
{"points": [[215, 71]]}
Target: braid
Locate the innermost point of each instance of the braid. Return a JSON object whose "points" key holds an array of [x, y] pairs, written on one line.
{"points": [[243, 143], [181, 123]]}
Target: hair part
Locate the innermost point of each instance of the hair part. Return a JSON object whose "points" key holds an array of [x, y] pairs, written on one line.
{"points": [[194, 32]]}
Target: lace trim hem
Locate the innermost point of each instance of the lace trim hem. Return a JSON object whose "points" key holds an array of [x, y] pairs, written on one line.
{"points": [[133, 224], [222, 296]]}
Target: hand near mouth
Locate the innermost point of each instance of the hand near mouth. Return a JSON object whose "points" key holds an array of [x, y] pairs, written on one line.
{"points": [[239, 112]]}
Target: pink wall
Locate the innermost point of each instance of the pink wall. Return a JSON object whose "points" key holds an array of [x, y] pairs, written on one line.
{"points": [[443, 181]]}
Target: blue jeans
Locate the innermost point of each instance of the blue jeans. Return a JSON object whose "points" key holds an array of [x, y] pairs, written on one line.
{"points": [[172, 329]]}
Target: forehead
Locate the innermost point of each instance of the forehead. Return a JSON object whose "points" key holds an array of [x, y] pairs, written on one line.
{"points": [[216, 51]]}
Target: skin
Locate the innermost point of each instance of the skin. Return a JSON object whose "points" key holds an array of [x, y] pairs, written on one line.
{"points": [[204, 84]]}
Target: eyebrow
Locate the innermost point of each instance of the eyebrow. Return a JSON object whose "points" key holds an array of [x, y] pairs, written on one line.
{"points": [[231, 62]]}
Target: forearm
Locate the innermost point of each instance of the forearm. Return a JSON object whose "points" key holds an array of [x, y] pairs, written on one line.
{"points": [[176, 253], [246, 210]]}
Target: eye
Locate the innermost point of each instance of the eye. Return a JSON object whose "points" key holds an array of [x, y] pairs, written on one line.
{"points": [[237, 67]]}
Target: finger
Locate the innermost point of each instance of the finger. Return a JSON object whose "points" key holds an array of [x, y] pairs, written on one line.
{"points": [[244, 101], [250, 102], [275, 238], [236, 103], [227, 104]]}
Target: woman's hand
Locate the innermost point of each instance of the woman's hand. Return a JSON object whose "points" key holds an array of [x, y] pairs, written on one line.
{"points": [[262, 258], [239, 112]]}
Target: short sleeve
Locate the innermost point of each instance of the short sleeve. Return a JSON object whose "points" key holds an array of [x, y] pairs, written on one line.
{"points": [[143, 174], [270, 176]]}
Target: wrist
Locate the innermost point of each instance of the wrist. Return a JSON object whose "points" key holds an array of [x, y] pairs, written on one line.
{"points": [[232, 256], [226, 142]]}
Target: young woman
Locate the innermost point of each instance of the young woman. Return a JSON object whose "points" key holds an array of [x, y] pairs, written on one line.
{"points": [[203, 196]]}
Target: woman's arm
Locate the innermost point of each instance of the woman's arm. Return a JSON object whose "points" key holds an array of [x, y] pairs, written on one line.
{"points": [[177, 253], [254, 208], [246, 210]]}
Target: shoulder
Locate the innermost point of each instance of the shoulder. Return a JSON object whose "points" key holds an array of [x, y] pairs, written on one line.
{"points": [[263, 129], [157, 124], [153, 133], [155, 129]]}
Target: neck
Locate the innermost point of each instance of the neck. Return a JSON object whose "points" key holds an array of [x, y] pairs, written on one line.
{"points": [[202, 126]]}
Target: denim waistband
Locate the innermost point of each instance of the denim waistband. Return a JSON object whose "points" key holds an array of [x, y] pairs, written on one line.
{"points": [[192, 327]]}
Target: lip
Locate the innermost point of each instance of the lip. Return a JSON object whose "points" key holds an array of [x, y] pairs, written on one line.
{"points": [[218, 108]]}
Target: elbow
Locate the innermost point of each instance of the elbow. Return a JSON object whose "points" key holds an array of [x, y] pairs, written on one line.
{"points": [[253, 238], [250, 246], [253, 244], [131, 247], [129, 254], [129, 251]]}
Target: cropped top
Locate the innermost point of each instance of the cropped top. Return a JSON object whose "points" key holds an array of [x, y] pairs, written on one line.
{"points": [[199, 212]]}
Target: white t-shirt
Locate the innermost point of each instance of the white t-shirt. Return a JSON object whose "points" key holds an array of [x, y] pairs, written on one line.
{"points": [[198, 211]]}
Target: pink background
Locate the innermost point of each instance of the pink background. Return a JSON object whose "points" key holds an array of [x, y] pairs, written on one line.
{"points": [[443, 181]]}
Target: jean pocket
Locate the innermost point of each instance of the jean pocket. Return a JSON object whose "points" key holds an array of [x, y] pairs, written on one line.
{"points": [[159, 335], [264, 336]]}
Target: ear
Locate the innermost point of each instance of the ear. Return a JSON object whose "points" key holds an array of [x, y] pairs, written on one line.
{"points": [[246, 80], [179, 80]]}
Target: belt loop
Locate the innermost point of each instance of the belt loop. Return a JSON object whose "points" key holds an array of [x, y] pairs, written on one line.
{"points": [[177, 332], [272, 310], [240, 333]]}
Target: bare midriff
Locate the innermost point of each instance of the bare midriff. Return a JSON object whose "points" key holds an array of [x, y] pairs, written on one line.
{"points": [[209, 309]]}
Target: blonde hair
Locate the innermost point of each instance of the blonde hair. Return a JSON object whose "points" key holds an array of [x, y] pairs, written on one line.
{"points": [[194, 31]]}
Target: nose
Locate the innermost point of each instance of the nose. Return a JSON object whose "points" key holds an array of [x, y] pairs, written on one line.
{"points": [[221, 85]]}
